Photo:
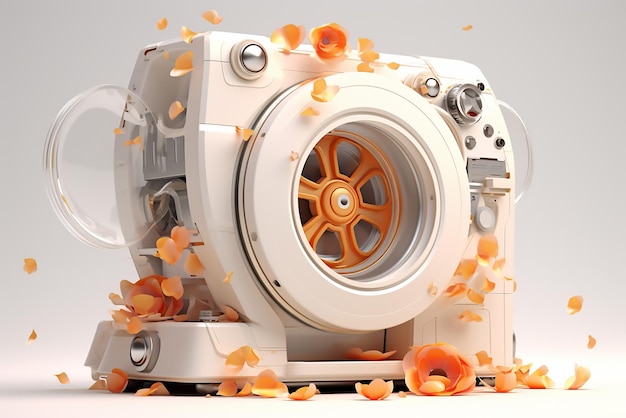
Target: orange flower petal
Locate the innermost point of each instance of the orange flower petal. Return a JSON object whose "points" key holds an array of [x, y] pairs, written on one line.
{"points": [[99, 384], [32, 337], [242, 355], [30, 265], [142, 304], [357, 353], [134, 325], [505, 382], [228, 277], [539, 379], [289, 37], [574, 305], [466, 268], [488, 285], [432, 289], [117, 380], [487, 249], [322, 92], [457, 289], [267, 385], [309, 111], [118, 131], [162, 24], [227, 388], [173, 286], [116, 299], [369, 56], [168, 250], [293, 156], [376, 390], [393, 65], [187, 34], [212, 16], [432, 387], [157, 389], [365, 44], [581, 375], [591, 342], [364, 67], [246, 390], [304, 393], [138, 141], [180, 235], [63, 379], [193, 266], [176, 108], [498, 265], [483, 358], [230, 314], [468, 27], [244, 133], [475, 297], [469, 316], [183, 64]]}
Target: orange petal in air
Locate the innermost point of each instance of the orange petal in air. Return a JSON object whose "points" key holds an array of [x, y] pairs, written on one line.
{"points": [[117, 380], [227, 388], [116, 299], [162, 24], [466, 268], [475, 297], [176, 108], [591, 342], [488, 285], [134, 325], [365, 44], [322, 92], [267, 385], [369, 56], [63, 379], [304, 393], [581, 375], [32, 337], [193, 266], [244, 133], [376, 390], [357, 353], [487, 249], [469, 316], [180, 235], [289, 37], [309, 111], [364, 67], [212, 17], [183, 64], [498, 265], [457, 289], [393, 65], [483, 358], [574, 305], [228, 277], [468, 27], [30, 265], [168, 250], [173, 286], [118, 131], [187, 34]]}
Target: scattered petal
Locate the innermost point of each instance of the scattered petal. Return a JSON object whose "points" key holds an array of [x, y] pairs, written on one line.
{"points": [[574, 304], [488, 285], [468, 27], [376, 390], [117, 380], [63, 379], [157, 389], [309, 111], [166, 55], [393, 65], [364, 67], [227, 388], [30, 265], [244, 133], [475, 297], [330, 41], [180, 235], [369, 56], [243, 355], [581, 375], [289, 37], [469, 316], [483, 358], [357, 353], [183, 64], [118, 131], [228, 277], [457, 289], [230, 314], [173, 286], [539, 379], [116, 299], [162, 24], [505, 381], [187, 34], [322, 92], [267, 385], [32, 337], [134, 326], [142, 304], [212, 17], [365, 44], [293, 156], [432, 387], [466, 268], [137, 141], [167, 250], [498, 265], [591, 342], [304, 393], [487, 249], [176, 108], [432, 289], [193, 266], [99, 384], [401, 394]]}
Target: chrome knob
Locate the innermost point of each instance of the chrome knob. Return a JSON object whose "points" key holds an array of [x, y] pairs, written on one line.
{"points": [[248, 59], [465, 104]]}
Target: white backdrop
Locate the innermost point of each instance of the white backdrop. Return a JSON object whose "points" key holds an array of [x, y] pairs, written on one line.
{"points": [[560, 64]]}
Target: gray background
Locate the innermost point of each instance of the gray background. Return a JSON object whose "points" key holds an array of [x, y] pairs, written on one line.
{"points": [[560, 64]]}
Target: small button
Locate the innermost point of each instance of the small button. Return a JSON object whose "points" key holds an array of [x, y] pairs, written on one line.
{"points": [[485, 218], [488, 131], [470, 142]]}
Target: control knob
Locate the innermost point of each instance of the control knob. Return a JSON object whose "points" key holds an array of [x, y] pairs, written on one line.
{"points": [[464, 103]]}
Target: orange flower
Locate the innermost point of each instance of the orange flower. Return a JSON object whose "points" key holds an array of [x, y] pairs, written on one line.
{"points": [[437, 369], [376, 390], [329, 41], [147, 296]]}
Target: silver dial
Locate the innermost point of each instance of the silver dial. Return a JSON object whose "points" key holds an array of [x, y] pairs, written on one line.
{"points": [[465, 104]]}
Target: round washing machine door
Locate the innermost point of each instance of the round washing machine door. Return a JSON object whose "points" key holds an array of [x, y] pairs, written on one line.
{"points": [[351, 209]]}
